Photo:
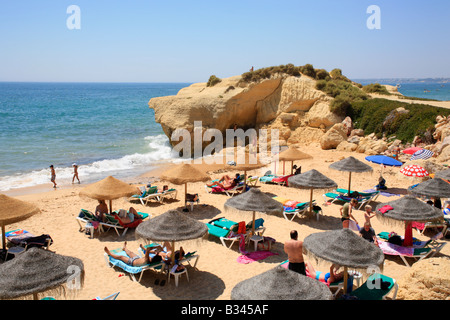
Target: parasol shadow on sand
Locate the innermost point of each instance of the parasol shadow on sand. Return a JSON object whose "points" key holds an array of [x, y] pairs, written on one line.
{"points": [[37, 271], [171, 226], [281, 284], [311, 179], [292, 154], [110, 189], [344, 248], [254, 201], [13, 210], [406, 210], [350, 165]]}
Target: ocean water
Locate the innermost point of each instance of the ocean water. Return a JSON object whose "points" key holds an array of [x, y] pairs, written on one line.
{"points": [[106, 128], [436, 90]]}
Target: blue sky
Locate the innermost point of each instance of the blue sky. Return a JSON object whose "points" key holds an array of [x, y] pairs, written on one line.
{"points": [[187, 41]]}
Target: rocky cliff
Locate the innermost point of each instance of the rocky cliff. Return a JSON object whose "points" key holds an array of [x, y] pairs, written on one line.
{"points": [[290, 104]]}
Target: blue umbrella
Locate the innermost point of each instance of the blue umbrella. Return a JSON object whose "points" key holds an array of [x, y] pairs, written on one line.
{"points": [[384, 160]]}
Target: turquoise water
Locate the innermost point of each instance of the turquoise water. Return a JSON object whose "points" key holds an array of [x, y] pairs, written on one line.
{"points": [[419, 89], [106, 128]]}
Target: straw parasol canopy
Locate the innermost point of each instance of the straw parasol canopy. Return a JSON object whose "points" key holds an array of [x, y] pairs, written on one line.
{"points": [[109, 188], [292, 154], [281, 284], [183, 174], [436, 188], [408, 209], [14, 210], [37, 271], [254, 201], [311, 179], [345, 248], [171, 226], [350, 165], [245, 162], [443, 174]]}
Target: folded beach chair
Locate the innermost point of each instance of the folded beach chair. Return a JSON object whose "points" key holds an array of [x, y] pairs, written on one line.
{"points": [[336, 197], [377, 287], [418, 253], [132, 271], [113, 222], [110, 297]]}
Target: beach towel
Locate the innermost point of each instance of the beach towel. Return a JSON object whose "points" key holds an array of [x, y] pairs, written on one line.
{"points": [[418, 225], [353, 226], [383, 193], [395, 250], [254, 256], [385, 209]]}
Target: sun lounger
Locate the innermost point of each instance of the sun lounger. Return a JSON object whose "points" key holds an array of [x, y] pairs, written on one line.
{"points": [[132, 271], [418, 253], [113, 222], [227, 230], [283, 180], [110, 297], [252, 181], [229, 191], [336, 197], [373, 194], [377, 287], [292, 209], [86, 220], [267, 178], [187, 257], [144, 193], [27, 240], [421, 227]]}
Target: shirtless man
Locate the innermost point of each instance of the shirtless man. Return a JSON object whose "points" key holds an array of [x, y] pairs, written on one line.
{"points": [[294, 250]]}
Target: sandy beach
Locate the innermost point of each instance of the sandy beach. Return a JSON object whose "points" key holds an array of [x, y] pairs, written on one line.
{"points": [[218, 270]]}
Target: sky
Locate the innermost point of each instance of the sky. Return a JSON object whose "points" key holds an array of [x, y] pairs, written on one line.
{"points": [[188, 41]]}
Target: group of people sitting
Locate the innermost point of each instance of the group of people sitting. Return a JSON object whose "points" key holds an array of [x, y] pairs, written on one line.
{"points": [[125, 217], [226, 182]]}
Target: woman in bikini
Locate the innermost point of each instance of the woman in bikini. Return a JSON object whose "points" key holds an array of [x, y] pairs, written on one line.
{"points": [[135, 260], [328, 277]]}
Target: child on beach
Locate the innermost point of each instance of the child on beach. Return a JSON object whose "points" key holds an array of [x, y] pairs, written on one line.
{"points": [[53, 176], [75, 173]]}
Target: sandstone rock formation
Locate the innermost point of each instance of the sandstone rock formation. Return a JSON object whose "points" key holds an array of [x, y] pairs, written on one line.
{"points": [[288, 103]]}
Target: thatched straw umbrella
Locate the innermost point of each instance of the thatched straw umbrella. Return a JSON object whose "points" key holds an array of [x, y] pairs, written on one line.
{"points": [[110, 189], [443, 174], [435, 188], [311, 179], [292, 154], [407, 210], [183, 174], [171, 226], [350, 165], [14, 210], [345, 248], [37, 271], [245, 163], [281, 284], [254, 201]]}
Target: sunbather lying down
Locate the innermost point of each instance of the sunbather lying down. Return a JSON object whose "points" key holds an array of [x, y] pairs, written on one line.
{"points": [[328, 277], [152, 255], [225, 182]]}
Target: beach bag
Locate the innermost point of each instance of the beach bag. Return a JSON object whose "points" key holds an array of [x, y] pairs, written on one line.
{"points": [[395, 239], [87, 228]]}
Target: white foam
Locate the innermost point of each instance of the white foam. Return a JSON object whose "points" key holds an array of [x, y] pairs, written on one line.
{"points": [[159, 150]]}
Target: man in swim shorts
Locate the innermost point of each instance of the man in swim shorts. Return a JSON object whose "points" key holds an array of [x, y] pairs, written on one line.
{"points": [[294, 250]]}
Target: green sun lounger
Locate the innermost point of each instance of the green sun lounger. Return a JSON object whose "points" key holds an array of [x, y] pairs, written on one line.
{"points": [[377, 287]]}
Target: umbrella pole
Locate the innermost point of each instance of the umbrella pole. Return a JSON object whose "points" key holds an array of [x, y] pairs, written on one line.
{"points": [[349, 182], [310, 202], [173, 253], [3, 237], [185, 194], [110, 206], [408, 239], [245, 181], [253, 224], [345, 279], [292, 166]]}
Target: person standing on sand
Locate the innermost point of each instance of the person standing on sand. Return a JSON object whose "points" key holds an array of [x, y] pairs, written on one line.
{"points": [[294, 250], [53, 176], [75, 173]]}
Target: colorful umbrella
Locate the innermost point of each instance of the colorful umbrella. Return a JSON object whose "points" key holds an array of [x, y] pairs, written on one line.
{"points": [[384, 160], [414, 170], [411, 150], [422, 154]]}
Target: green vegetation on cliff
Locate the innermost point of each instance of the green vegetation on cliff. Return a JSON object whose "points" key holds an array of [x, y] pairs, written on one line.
{"points": [[380, 116]]}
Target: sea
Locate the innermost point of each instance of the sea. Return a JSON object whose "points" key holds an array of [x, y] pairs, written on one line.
{"points": [[105, 128]]}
